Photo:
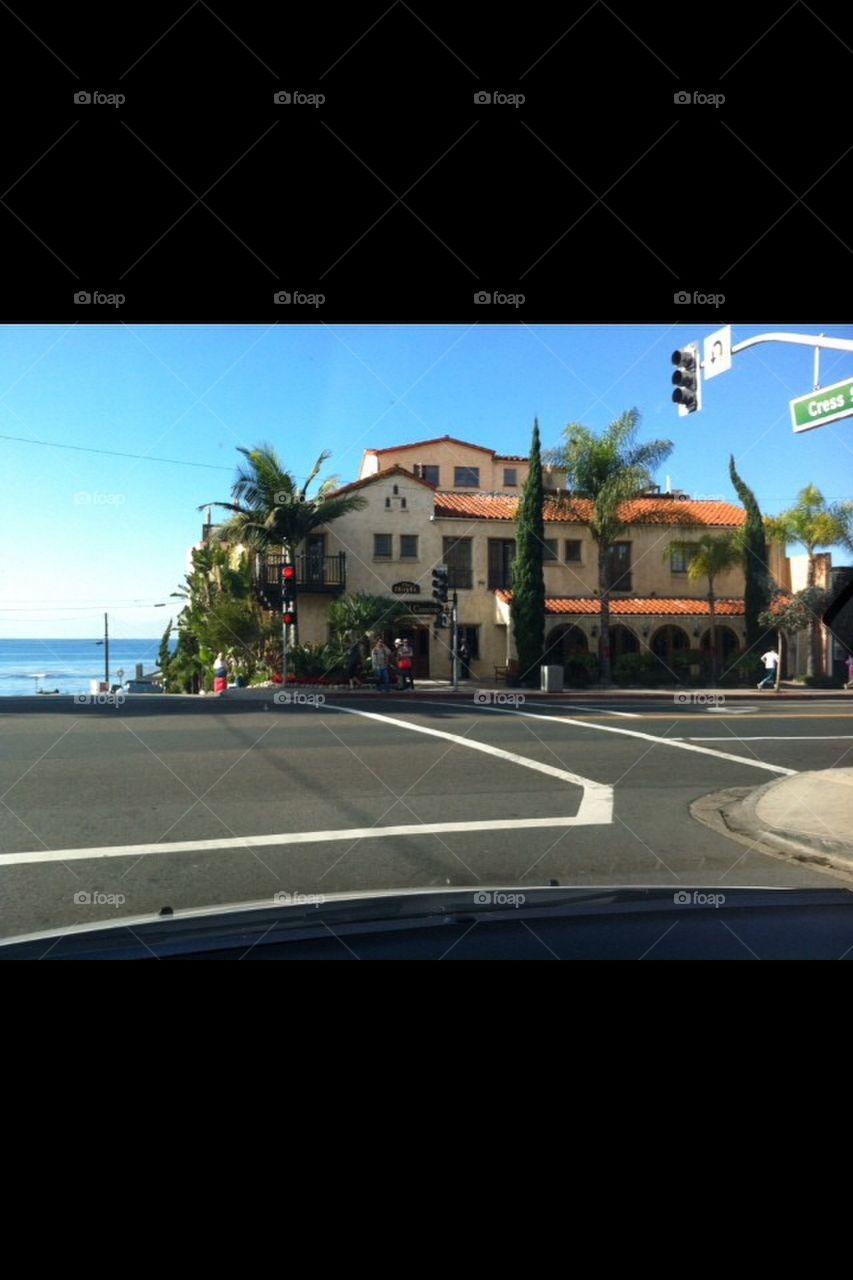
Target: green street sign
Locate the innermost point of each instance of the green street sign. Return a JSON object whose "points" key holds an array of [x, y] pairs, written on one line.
{"points": [[820, 407]]}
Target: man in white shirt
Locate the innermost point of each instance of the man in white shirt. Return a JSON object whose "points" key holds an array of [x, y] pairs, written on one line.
{"points": [[771, 662]]}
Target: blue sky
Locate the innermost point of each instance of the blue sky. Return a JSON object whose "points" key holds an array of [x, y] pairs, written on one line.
{"points": [[84, 532]]}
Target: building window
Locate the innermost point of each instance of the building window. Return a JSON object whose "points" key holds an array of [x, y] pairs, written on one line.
{"points": [[573, 550], [456, 554], [466, 477], [501, 556], [402, 504], [387, 503], [681, 558], [382, 548], [510, 475], [549, 550], [619, 566], [408, 546], [427, 472]]}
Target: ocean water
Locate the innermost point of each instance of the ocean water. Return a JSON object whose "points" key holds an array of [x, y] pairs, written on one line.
{"points": [[27, 666]]}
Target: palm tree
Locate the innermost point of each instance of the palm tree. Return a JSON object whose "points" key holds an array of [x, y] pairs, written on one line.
{"points": [[607, 470], [813, 522], [360, 614], [708, 557], [269, 511]]}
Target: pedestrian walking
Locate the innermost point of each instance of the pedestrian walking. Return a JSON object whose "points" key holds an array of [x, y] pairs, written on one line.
{"points": [[220, 674], [849, 684], [405, 663], [354, 664], [380, 656], [771, 662]]}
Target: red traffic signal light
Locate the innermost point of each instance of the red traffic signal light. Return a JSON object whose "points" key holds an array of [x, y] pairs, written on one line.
{"points": [[288, 573], [288, 619]]}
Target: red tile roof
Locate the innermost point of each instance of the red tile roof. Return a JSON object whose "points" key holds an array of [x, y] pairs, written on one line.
{"points": [[479, 506], [396, 470], [420, 444], [648, 606]]}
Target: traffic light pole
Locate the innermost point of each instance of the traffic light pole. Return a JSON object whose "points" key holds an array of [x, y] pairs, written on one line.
{"points": [[455, 642]]}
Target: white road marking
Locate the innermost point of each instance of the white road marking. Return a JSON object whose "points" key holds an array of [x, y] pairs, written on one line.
{"points": [[596, 808], [646, 737], [596, 804], [782, 737], [576, 706], [289, 837]]}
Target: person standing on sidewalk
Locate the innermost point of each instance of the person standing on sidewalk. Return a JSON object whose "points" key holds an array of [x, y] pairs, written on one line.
{"points": [[849, 684], [405, 660], [354, 664], [220, 674], [771, 662], [379, 656]]}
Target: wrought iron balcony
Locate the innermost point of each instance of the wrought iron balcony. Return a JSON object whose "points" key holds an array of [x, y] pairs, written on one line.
{"points": [[323, 574]]}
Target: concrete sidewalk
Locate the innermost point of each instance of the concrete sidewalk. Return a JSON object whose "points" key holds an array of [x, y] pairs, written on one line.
{"points": [[808, 817], [467, 688]]}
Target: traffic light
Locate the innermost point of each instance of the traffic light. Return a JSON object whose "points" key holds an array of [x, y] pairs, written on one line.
{"points": [[288, 594], [439, 584], [687, 380]]}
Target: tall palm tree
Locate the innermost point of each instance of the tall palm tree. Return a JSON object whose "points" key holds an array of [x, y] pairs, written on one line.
{"points": [[270, 512], [608, 470], [708, 557], [813, 522]]}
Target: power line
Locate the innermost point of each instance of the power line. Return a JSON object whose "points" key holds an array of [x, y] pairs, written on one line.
{"points": [[114, 453]]}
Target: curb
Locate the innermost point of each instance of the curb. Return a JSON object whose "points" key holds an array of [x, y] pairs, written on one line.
{"points": [[732, 812]]}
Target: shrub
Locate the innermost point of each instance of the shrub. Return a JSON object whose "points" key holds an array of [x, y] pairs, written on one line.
{"points": [[581, 670]]}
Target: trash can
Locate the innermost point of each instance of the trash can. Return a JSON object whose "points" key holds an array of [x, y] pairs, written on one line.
{"points": [[552, 679]]}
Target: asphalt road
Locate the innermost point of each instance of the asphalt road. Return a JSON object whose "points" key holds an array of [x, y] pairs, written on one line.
{"points": [[269, 799]]}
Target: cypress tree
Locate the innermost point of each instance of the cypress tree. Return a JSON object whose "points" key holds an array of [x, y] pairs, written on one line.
{"points": [[528, 579], [757, 590]]}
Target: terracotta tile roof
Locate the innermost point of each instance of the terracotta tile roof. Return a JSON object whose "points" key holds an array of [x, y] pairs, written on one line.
{"points": [[648, 606], [482, 506], [396, 470], [420, 444]]}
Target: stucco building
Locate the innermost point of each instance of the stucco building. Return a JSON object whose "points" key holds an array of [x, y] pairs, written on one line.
{"points": [[444, 501]]}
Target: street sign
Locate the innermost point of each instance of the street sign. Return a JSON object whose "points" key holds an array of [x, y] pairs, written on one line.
{"points": [[718, 352], [820, 407], [405, 588], [423, 606]]}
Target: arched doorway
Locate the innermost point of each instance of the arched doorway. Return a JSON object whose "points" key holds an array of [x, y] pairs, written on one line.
{"points": [[564, 643], [622, 640], [670, 645], [728, 644]]}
